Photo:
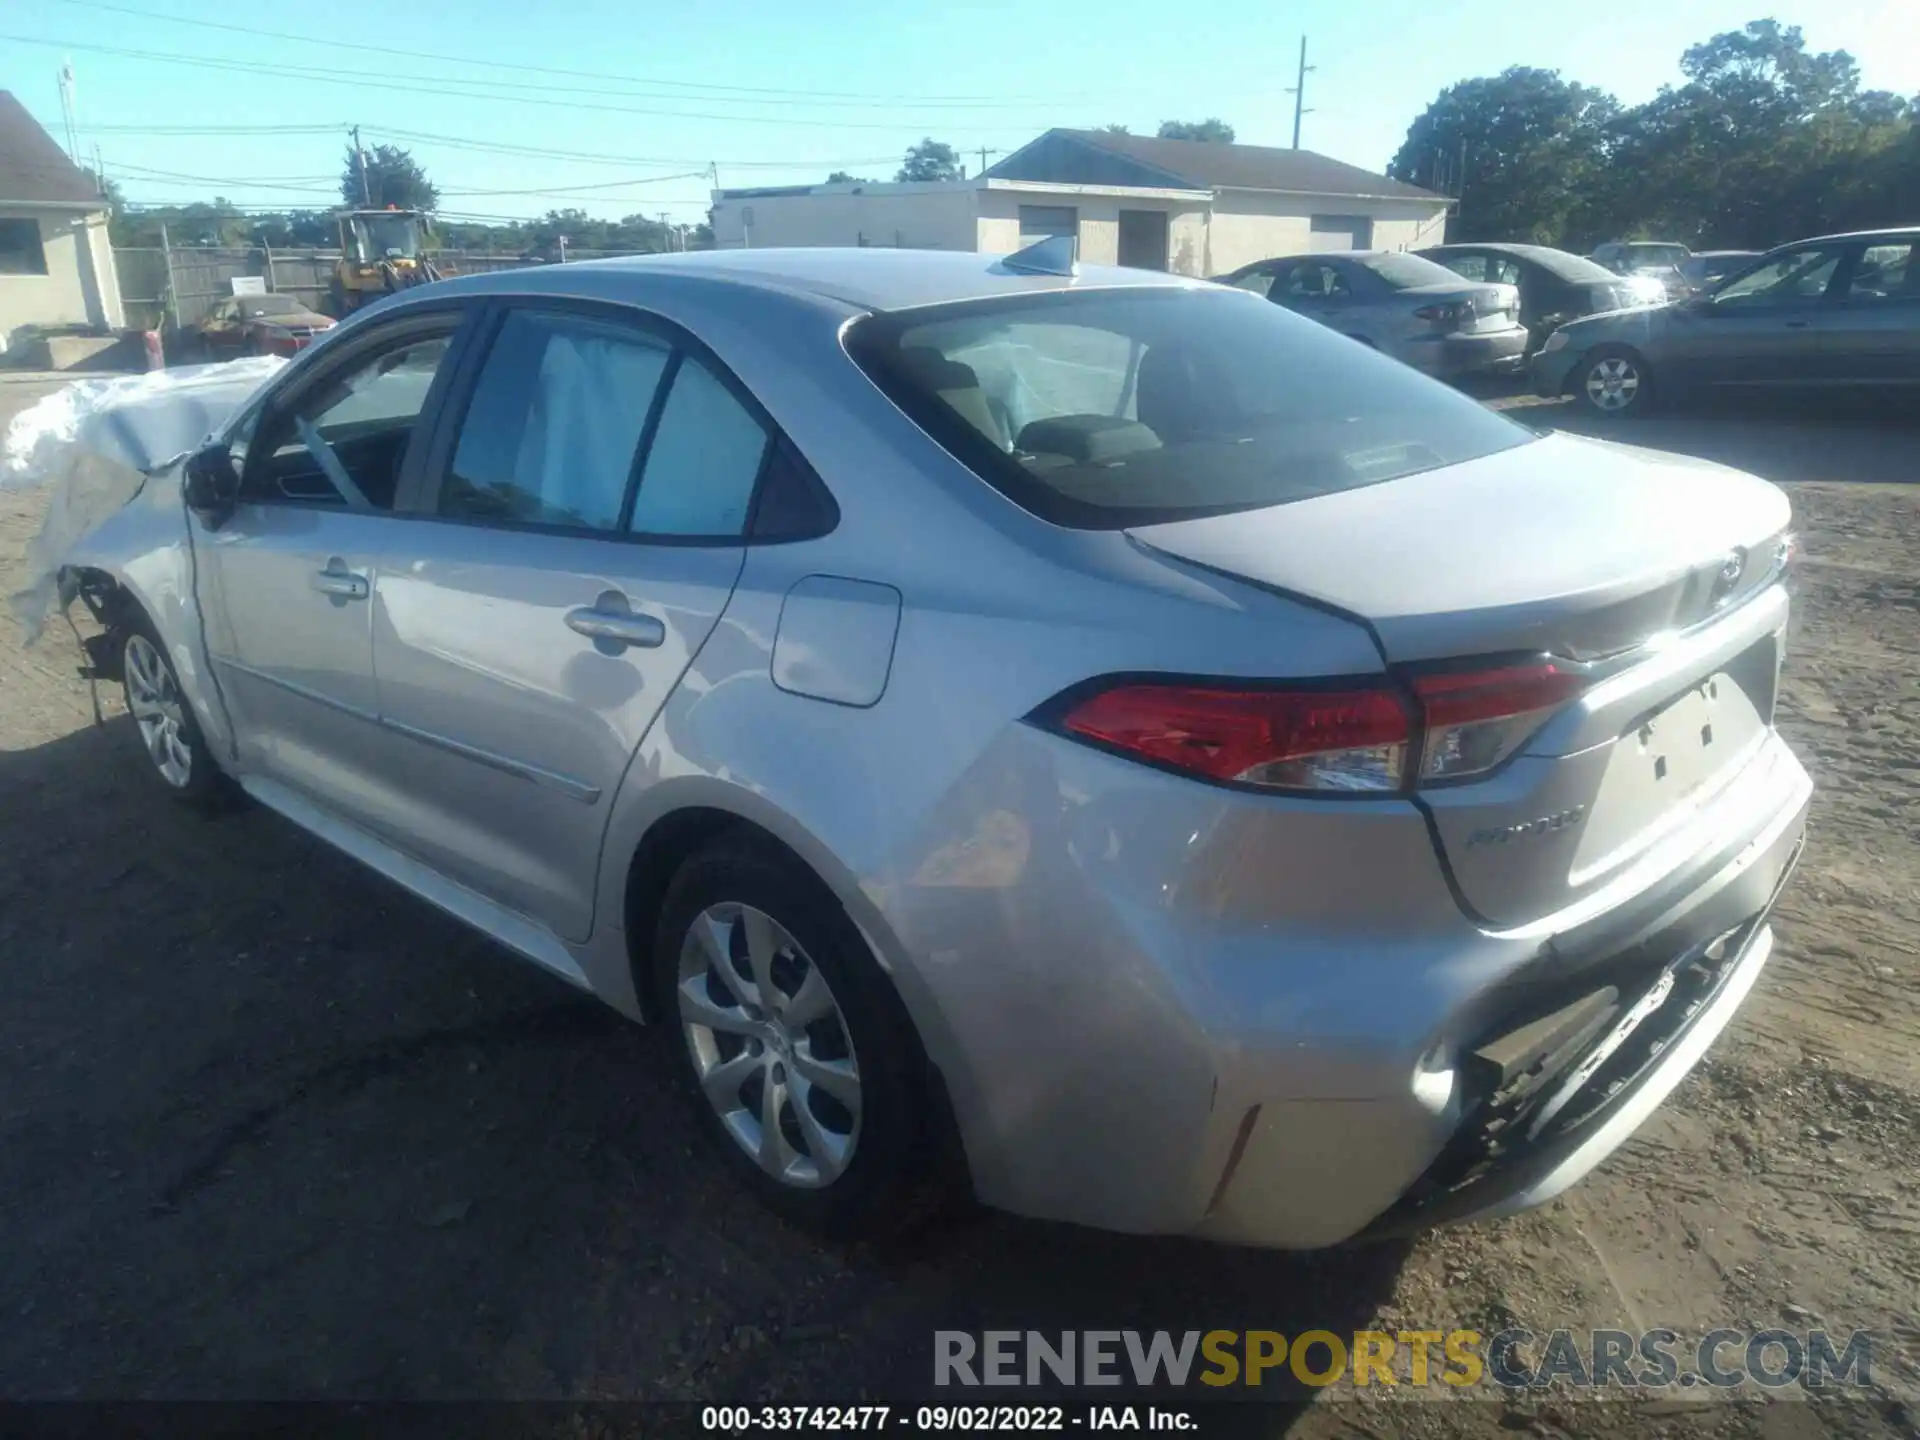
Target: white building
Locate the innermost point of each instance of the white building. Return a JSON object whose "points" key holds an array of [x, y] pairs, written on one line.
{"points": [[56, 263], [1193, 207]]}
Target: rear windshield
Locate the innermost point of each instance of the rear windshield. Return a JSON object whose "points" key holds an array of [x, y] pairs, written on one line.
{"points": [[1099, 409], [1404, 272], [1656, 254]]}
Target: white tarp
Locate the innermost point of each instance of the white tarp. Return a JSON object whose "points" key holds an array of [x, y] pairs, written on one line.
{"points": [[93, 442]]}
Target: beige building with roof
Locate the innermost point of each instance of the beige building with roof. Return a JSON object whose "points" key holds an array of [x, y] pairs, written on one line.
{"points": [[1192, 207]]}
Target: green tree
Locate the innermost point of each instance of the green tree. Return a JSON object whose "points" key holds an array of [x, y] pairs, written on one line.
{"points": [[1115, 129], [1766, 142], [930, 160], [1524, 151], [841, 177], [393, 177], [1217, 131]]}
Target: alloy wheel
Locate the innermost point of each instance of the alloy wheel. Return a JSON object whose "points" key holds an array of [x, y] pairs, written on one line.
{"points": [[1613, 383], [155, 701], [769, 1044]]}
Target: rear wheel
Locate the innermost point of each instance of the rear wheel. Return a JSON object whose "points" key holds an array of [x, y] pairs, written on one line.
{"points": [[174, 750], [797, 1055], [1614, 382]]}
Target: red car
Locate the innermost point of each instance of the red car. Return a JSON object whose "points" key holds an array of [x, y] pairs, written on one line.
{"points": [[260, 325]]}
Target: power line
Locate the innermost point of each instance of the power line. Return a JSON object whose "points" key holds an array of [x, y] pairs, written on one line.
{"points": [[485, 147], [767, 92], [433, 85]]}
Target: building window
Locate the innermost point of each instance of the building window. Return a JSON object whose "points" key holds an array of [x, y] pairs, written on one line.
{"points": [[20, 250], [1043, 222]]}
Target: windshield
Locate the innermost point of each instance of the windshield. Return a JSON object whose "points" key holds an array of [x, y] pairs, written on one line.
{"points": [[1404, 272], [375, 236], [253, 307], [1099, 409]]}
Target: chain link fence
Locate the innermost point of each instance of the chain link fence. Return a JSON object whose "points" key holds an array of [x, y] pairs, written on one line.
{"points": [[172, 289]]}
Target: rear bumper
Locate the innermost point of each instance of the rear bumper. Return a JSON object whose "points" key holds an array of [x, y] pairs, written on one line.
{"points": [[1449, 356], [1180, 1009]]}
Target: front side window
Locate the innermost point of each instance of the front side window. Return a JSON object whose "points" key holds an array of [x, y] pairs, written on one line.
{"points": [[1796, 278], [1101, 409], [554, 426], [343, 439]]}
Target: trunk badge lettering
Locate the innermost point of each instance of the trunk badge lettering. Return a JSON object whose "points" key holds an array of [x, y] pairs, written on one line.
{"points": [[1528, 829]]}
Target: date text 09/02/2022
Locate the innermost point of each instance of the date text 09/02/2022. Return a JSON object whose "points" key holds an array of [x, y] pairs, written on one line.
{"points": [[751, 1419]]}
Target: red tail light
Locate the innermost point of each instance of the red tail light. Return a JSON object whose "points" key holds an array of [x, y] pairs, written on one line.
{"points": [[1356, 739]]}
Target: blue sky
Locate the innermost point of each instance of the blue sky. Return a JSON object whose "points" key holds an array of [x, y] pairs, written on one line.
{"points": [[780, 93]]}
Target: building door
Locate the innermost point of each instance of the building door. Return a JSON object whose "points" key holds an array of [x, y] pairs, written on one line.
{"points": [[1143, 239], [1043, 222], [1340, 232]]}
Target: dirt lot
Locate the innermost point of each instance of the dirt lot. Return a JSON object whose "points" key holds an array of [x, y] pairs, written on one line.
{"points": [[269, 1128]]}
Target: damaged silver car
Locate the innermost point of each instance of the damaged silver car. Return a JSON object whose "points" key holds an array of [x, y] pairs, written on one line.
{"points": [[1198, 772]]}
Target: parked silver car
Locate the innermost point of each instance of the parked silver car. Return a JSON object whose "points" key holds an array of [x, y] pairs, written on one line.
{"points": [[1226, 782], [1412, 309], [1837, 312]]}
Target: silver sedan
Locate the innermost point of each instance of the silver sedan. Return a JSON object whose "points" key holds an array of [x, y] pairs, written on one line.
{"points": [[1403, 305], [1096, 736]]}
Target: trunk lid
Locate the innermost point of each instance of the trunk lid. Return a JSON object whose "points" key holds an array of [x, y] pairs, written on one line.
{"points": [[1577, 548]]}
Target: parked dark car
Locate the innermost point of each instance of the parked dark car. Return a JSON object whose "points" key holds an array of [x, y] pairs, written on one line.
{"points": [[1838, 311], [260, 325], [1704, 269], [1554, 286], [1412, 309]]}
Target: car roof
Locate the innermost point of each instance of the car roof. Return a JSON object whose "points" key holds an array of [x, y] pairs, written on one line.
{"points": [[867, 279], [1892, 232], [1562, 263]]}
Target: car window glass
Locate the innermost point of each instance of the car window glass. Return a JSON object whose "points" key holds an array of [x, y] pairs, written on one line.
{"points": [[1884, 273], [1258, 281], [1029, 372], [705, 457], [1467, 267], [1792, 279], [551, 433], [1221, 405], [1503, 270], [344, 438], [1317, 282]]}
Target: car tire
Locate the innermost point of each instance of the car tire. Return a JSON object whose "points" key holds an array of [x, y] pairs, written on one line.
{"points": [[1614, 383], [850, 1154], [173, 750]]}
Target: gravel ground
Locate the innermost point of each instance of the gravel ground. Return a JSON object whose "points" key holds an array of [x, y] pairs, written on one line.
{"points": [[269, 1128]]}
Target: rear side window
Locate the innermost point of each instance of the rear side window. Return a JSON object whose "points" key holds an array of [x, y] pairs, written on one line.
{"points": [[555, 422], [704, 460], [1100, 409]]}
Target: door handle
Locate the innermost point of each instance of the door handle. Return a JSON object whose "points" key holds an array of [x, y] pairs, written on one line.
{"points": [[336, 579], [616, 627]]}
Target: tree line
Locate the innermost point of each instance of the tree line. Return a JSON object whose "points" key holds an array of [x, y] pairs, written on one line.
{"points": [[386, 175], [1765, 142]]}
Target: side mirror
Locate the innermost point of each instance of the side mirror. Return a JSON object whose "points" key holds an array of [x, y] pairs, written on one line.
{"points": [[211, 485]]}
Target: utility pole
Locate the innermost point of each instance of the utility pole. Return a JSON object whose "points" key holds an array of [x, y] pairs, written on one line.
{"points": [[666, 232], [984, 153], [360, 163], [1299, 92]]}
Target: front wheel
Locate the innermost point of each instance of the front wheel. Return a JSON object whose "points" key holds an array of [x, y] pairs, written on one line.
{"points": [[1614, 382], [175, 751], [796, 1053]]}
